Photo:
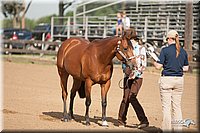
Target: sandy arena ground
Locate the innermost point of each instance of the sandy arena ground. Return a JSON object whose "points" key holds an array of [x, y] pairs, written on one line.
{"points": [[32, 100]]}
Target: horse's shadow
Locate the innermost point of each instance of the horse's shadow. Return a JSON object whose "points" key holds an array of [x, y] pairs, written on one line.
{"points": [[97, 120], [81, 119]]}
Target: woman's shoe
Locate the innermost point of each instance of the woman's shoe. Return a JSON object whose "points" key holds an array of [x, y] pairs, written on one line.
{"points": [[121, 123], [142, 125]]}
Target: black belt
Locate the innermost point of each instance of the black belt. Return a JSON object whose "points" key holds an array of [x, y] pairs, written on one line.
{"points": [[172, 75]]}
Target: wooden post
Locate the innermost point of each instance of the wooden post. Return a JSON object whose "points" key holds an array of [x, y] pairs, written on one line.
{"points": [[86, 27], [188, 37], [52, 28], [136, 5], [43, 45], [10, 47], [23, 16], [84, 16], [145, 29], [68, 28], [167, 25], [105, 30], [74, 21]]}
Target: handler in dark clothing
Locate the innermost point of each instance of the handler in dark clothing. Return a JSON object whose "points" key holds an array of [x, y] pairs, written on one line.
{"points": [[132, 84]]}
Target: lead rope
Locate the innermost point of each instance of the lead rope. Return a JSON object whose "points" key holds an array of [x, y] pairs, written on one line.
{"points": [[124, 57], [120, 84]]}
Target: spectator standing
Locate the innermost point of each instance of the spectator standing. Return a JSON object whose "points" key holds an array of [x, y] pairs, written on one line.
{"points": [[48, 37], [174, 61]]}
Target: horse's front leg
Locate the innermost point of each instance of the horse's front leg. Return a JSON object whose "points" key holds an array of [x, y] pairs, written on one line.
{"points": [[88, 86], [104, 90]]}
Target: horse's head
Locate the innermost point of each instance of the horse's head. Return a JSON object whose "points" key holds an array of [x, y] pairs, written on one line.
{"points": [[125, 48]]}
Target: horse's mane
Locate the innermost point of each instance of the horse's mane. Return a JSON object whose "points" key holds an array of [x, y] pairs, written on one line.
{"points": [[101, 41]]}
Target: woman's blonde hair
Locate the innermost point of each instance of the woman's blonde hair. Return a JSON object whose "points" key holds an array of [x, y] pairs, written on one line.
{"points": [[178, 47], [174, 35]]}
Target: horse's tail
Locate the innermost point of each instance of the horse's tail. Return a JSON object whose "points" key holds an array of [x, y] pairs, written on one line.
{"points": [[81, 90]]}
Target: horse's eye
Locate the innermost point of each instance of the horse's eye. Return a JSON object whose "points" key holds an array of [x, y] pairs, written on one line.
{"points": [[125, 49]]}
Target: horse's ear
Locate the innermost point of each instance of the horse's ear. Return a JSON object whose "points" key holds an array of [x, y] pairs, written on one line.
{"points": [[133, 33], [127, 34], [124, 34], [130, 33]]}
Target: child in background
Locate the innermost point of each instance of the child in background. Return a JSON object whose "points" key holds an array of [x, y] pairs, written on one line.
{"points": [[119, 24]]}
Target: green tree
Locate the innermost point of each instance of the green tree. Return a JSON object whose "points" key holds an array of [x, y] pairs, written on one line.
{"points": [[13, 9], [46, 19], [30, 24], [7, 23]]}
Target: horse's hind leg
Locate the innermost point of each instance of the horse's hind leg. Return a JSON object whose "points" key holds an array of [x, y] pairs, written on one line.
{"points": [[88, 85], [75, 87], [63, 82]]}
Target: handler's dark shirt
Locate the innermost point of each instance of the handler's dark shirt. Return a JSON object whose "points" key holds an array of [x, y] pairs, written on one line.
{"points": [[173, 66]]}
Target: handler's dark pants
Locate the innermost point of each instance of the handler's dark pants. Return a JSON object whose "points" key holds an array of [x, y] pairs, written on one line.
{"points": [[130, 97]]}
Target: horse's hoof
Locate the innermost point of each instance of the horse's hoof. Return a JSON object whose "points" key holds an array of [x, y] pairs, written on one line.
{"points": [[104, 124], [64, 120], [87, 123], [70, 116]]}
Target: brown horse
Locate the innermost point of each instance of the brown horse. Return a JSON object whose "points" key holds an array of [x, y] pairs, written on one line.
{"points": [[89, 64]]}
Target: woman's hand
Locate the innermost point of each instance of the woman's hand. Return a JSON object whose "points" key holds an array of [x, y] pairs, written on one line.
{"points": [[157, 65], [128, 71]]}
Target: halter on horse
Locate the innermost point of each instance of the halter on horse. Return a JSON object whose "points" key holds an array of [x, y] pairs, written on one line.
{"points": [[89, 64]]}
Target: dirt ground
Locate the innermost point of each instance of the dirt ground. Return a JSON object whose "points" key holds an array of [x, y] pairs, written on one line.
{"points": [[32, 100]]}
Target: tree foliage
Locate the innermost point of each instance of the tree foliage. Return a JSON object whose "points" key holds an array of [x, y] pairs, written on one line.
{"points": [[30, 24], [46, 19], [13, 9], [7, 23]]}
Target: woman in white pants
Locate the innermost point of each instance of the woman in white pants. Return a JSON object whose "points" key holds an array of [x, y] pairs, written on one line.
{"points": [[174, 61]]}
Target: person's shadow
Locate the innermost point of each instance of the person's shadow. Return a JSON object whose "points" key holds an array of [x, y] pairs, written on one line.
{"points": [[97, 120], [149, 129]]}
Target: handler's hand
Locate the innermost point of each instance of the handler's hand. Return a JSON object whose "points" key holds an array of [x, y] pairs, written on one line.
{"points": [[127, 71]]}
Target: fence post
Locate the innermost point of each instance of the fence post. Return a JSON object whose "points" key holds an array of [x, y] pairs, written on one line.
{"points": [[68, 28], [188, 37], [84, 17], [10, 47], [145, 29], [43, 39], [86, 27], [52, 26], [167, 25], [105, 30], [136, 5], [74, 21]]}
